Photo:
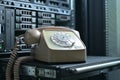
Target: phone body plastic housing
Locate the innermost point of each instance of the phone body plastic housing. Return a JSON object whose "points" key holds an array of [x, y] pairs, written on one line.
{"points": [[47, 51]]}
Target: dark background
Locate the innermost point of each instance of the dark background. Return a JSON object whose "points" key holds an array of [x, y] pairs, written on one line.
{"points": [[90, 21]]}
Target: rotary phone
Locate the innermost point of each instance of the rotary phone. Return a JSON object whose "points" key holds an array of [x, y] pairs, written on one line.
{"points": [[54, 45]]}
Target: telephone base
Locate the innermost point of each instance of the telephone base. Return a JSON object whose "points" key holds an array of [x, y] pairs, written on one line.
{"points": [[61, 57]]}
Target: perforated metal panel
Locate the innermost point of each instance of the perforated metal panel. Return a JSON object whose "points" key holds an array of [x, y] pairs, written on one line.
{"points": [[112, 27], [113, 33]]}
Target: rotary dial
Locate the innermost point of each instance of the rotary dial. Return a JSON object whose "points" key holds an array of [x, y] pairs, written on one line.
{"points": [[62, 39]]}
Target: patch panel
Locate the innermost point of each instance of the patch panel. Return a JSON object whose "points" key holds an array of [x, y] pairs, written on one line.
{"points": [[54, 10], [25, 19], [49, 73], [36, 71], [21, 40], [25, 12], [17, 16], [65, 5], [7, 2], [54, 3], [59, 4], [23, 47], [63, 17], [29, 70], [36, 7], [40, 1], [46, 15], [25, 26], [46, 21]]}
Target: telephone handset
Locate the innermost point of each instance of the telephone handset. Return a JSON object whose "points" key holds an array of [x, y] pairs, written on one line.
{"points": [[56, 44]]}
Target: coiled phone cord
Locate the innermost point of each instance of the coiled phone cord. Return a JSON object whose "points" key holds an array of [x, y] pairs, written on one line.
{"points": [[11, 61], [17, 65]]}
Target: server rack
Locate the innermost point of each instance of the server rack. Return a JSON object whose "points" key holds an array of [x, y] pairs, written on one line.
{"points": [[17, 16]]}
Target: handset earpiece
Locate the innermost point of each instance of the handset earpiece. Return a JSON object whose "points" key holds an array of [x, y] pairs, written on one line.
{"points": [[32, 36]]}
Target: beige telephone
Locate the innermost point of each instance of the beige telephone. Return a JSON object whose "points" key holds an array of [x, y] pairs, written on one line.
{"points": [[56, 44]]}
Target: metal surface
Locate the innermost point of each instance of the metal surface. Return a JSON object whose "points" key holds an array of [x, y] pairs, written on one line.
{"points": [[70, 71], [97, 66]]}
